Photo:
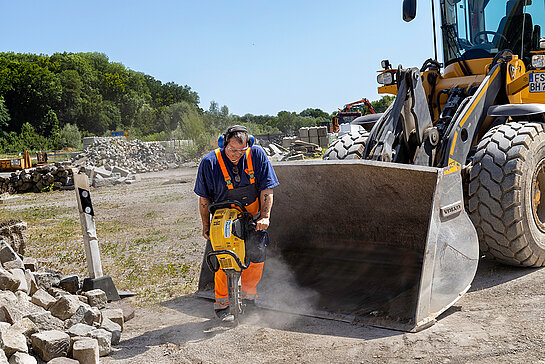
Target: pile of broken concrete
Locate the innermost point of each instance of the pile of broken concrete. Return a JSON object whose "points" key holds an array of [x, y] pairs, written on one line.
{"points": [[46, 315], [134, 156], [50, 176]]}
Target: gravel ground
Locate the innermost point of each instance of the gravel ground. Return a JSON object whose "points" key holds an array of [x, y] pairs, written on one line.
{"points": [[151, 244]]}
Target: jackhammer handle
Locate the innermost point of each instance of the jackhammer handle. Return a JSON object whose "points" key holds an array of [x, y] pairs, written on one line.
{"points": [[218, 252], [218, 205]]}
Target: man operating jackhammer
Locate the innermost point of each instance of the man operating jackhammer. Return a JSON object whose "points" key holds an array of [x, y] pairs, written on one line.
{"points": [[237, 171]]}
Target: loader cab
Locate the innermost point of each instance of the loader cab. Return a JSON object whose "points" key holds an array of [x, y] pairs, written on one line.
{"points": [[477, 29]]}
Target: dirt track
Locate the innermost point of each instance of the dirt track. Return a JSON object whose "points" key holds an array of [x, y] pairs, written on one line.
{"points": [[500, 320]]}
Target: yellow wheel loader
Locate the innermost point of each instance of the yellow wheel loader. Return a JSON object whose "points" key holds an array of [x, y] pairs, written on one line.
{"points": [[454, 165]]}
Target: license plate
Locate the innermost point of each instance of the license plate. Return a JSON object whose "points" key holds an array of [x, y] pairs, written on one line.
{"points": [[537, 82]]}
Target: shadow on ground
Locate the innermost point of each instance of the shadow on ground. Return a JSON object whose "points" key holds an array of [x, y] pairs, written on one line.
{"points": [[491, 273]]}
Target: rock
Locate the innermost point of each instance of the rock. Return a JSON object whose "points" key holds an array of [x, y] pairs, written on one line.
{"points": [[46, 280], [4, 326], [86, 351], [8, 298], [7, 281], [12, 342], [112, 327], [19, 275], [3, 358], [10, 314], [104, 339], [31, 281], [57, 292], [22, 358], [70, 284], [30, 263], [46, 321], [25, 326], [65, 307], [43, 299], [97, 298], [63, 361], [8, 255], [83, 299], [51, 344], [80, 330], [114, 314], [86, 315]]}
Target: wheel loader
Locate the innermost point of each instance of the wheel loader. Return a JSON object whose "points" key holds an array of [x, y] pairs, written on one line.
{"points": [[389, 229]]}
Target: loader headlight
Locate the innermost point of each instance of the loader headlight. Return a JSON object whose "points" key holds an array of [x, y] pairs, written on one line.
{"points": [[385, 78], [538, 61]]}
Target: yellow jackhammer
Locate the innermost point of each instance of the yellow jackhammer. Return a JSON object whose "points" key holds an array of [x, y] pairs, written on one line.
{"points": [[229, 229]]}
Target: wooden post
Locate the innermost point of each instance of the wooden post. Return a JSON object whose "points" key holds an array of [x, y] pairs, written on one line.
{"points": [[86, 214]]}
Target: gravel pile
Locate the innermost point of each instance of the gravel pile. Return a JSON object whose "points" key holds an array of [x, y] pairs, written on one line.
{"points": [[135, 156]]}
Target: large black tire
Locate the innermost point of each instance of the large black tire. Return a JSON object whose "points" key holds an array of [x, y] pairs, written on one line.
{"points": [[505, 201], [348, 146]]}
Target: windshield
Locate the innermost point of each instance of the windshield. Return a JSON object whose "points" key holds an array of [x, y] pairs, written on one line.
{"points": [[481, 28]]}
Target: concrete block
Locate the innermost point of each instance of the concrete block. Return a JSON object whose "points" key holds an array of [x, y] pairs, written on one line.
{"points": [[314, 139], [104, 339], [62, 360], [303, 133], [19, 275], [50, 344], [25, 326], [103, 172], [312, 132], [86, 351], [46, 321], [7, 281], [46, 280], [7, 255], [43, 299], [123, 172], [12, 342], [323, 141], [8, 298], [97, 298], [322, 131], [65, 307], [115, 315], [86, 315], [22, 358], [80, 330], [70, 284], [112, 327]]}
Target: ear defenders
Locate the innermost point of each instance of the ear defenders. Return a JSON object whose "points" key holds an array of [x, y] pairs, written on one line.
{"points": [[224, 139]]}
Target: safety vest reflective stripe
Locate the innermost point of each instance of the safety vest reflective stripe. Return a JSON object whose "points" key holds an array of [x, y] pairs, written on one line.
{"points": [[250, 169], [224, 169]]}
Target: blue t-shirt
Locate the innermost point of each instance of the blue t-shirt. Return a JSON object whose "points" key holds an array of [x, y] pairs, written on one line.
{"points": [[211, 184]]}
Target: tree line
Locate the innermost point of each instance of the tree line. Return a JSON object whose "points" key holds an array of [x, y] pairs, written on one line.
{"points": [[52, 101]]}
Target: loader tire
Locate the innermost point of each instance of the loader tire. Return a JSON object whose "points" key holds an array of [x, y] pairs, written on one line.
{"points": [[507, 193], [348, 146]]}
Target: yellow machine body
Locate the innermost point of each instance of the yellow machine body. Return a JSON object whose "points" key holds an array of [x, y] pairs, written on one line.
{"points": [[223, 238]]}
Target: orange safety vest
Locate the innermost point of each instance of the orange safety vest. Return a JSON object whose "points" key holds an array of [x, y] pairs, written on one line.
{"points": [[252, 207]]}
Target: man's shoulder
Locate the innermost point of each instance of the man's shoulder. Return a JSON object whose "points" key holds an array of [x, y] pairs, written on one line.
{"points": [[210, 157]]}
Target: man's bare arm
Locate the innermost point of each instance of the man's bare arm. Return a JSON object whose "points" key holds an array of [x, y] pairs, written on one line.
{"points": [[205, 216], [266, 200]]}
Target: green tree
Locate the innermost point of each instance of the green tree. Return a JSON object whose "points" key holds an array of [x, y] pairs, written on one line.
{"points": [[69, 137], [382, 104], [4, 116]]}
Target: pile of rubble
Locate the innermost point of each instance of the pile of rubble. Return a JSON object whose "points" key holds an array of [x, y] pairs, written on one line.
{"points": [[134, 156], [50, 176], [45, 315]]}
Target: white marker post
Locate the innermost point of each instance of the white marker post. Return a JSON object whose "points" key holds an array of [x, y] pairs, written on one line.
{"points": [[90, 241]]}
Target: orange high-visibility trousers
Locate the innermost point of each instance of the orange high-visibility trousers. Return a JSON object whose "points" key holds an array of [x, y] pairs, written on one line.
{"points": [[249, 279]]}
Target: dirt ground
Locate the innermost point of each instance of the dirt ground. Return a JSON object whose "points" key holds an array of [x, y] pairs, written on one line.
{"points": [[151, 244]]}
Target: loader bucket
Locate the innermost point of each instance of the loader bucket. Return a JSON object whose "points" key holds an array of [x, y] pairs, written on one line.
{"points": [[385, 244]]}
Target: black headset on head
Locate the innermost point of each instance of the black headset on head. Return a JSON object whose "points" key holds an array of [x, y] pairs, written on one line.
{"points": [[224, 139]]}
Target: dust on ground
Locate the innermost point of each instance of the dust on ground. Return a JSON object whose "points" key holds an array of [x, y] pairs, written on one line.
{"points": [[151, 243]]}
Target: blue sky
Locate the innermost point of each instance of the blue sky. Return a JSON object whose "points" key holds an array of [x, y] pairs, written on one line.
{"points": [[256, 57]]}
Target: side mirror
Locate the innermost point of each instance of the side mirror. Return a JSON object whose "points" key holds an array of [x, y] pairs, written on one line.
{"points": [[409, 10]]}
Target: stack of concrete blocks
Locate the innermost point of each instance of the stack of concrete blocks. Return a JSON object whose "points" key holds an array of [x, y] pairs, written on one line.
{"points": [[314, 134], [102, 177], [46, 314], [288, 141]]}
